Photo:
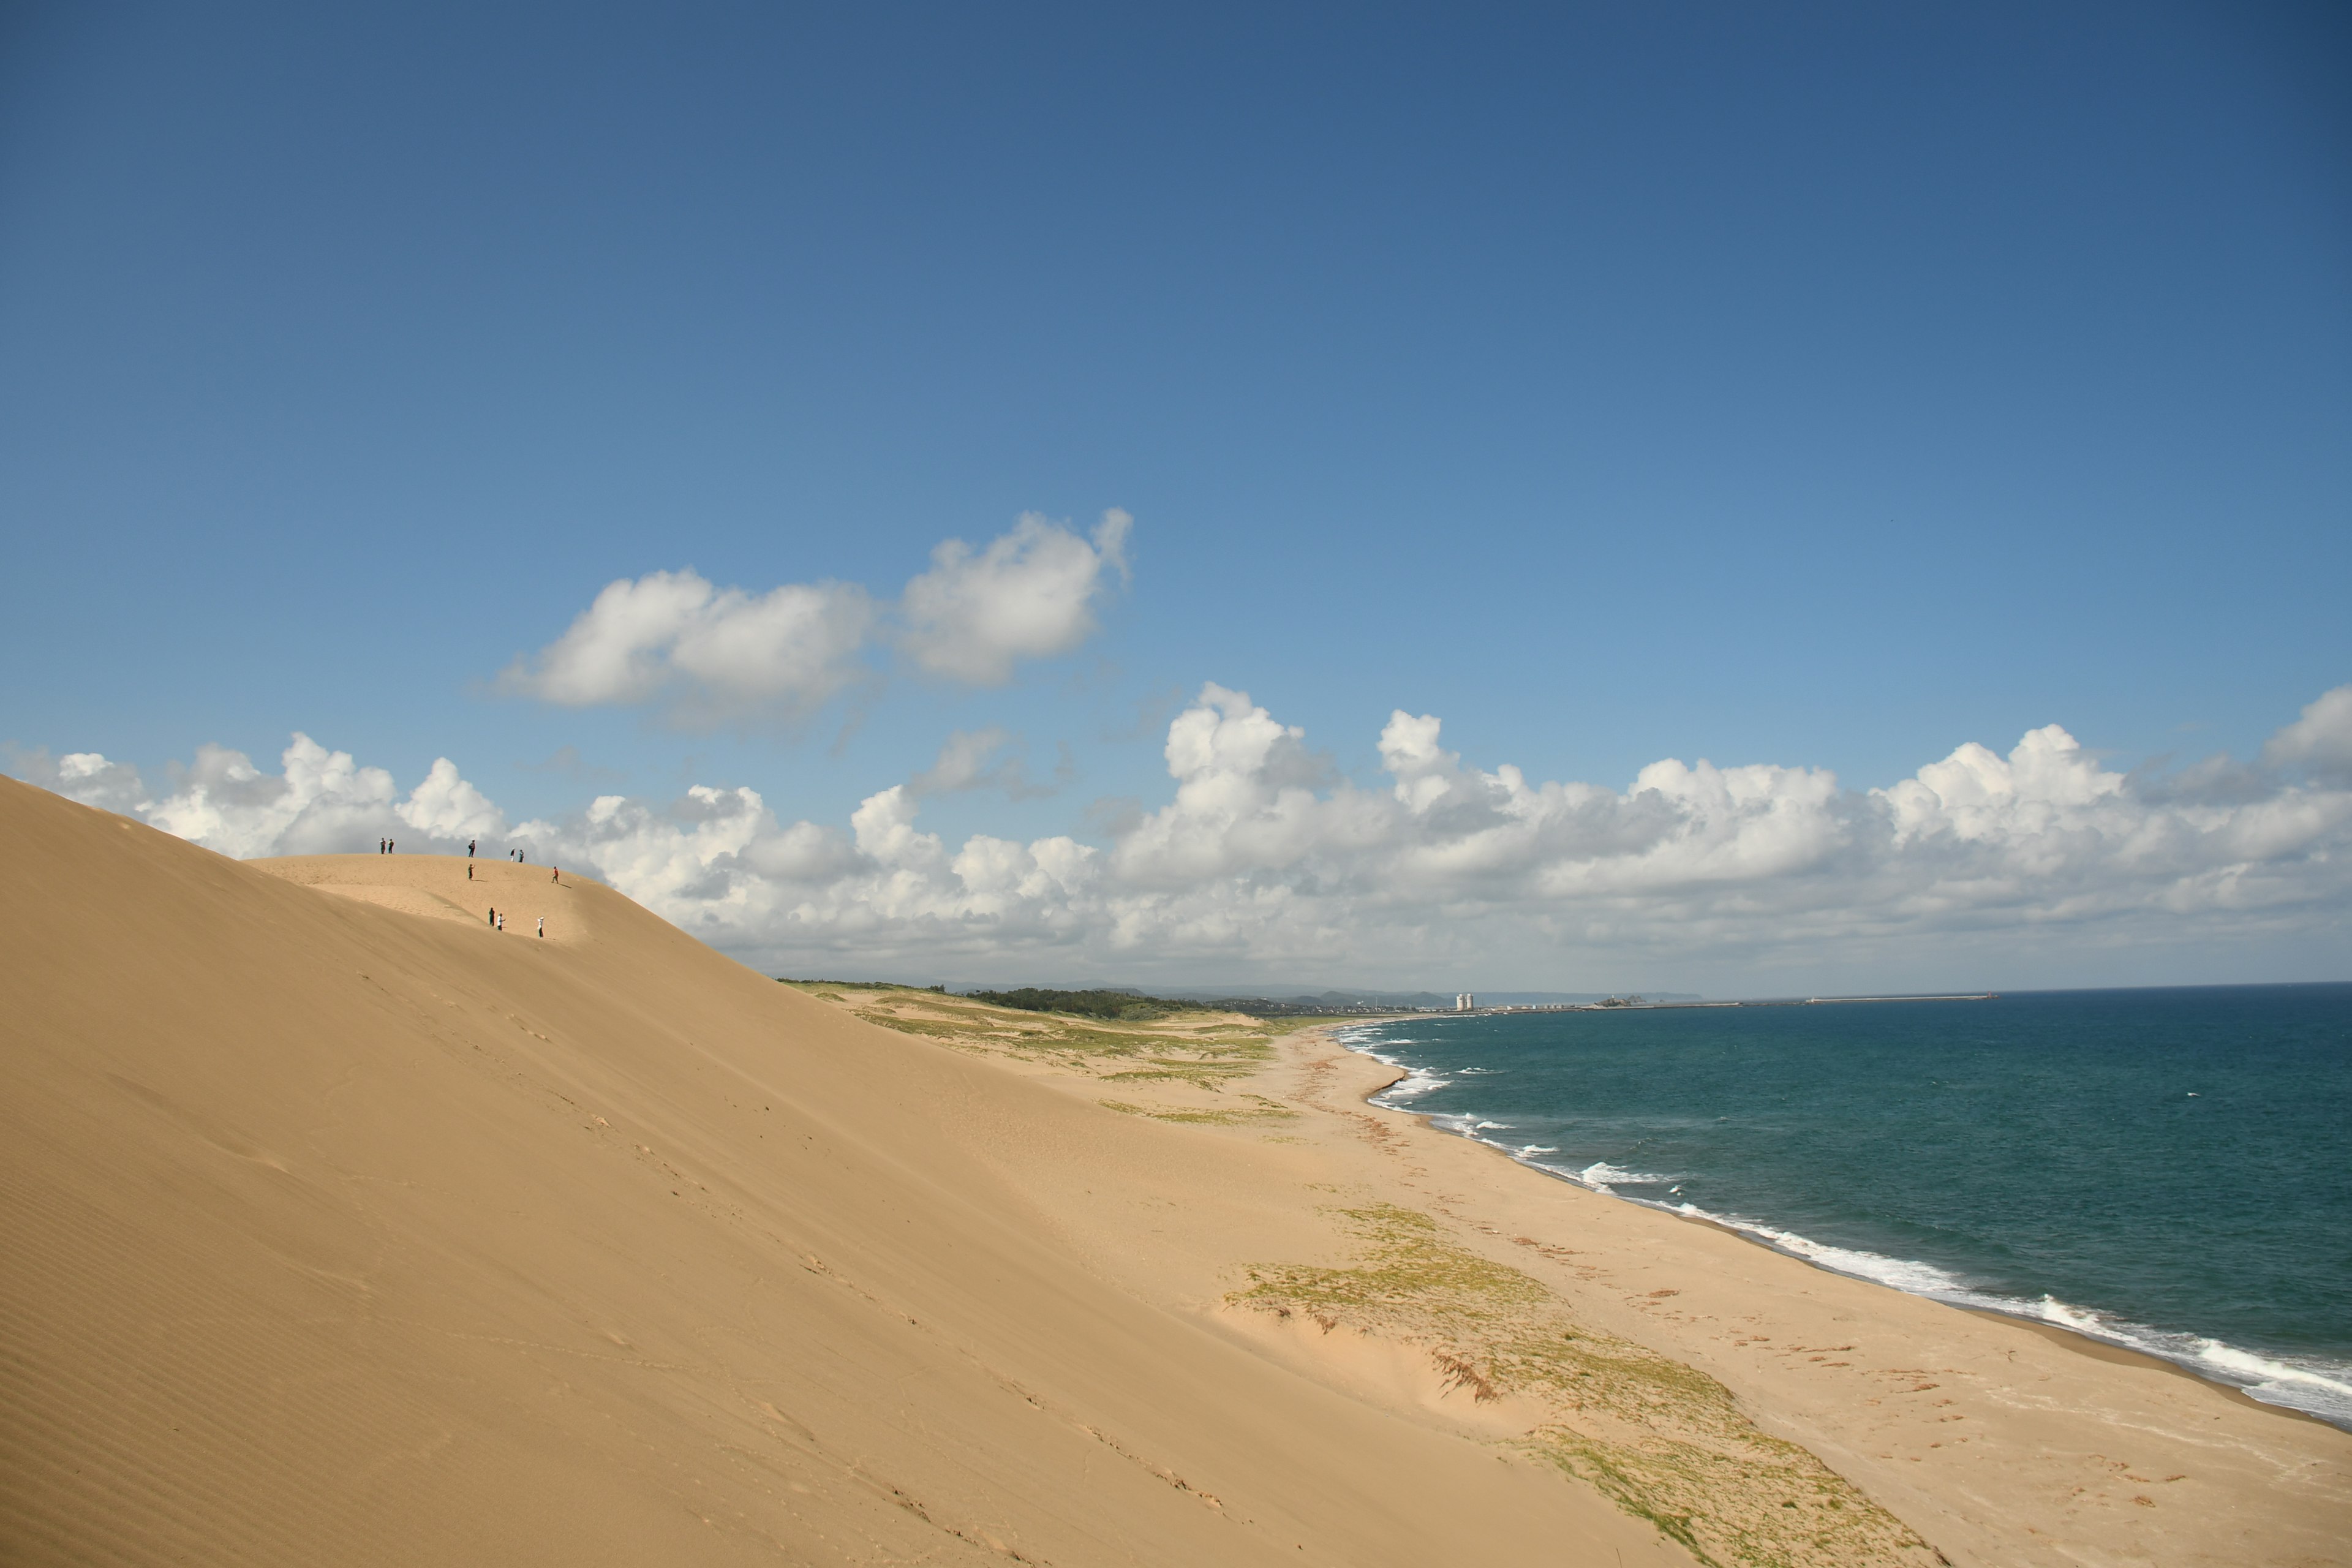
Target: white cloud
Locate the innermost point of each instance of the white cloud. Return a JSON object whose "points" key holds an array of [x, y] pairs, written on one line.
{"points": [[1029, 594], [2320, 741], [962, 762], [712, 656], [1261, 863], [715, 654], [85, 776], [989, 759], [320, 803]]}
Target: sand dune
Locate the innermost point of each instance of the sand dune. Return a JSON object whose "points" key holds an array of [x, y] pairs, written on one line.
{"points": [[341, 1228], [336, 1234]]}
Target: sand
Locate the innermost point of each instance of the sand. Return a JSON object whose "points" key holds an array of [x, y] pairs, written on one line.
{"points": [[339, 1227]]}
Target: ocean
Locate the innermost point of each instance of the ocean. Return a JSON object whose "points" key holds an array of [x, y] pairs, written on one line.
{"points": [[2166, 1170]]}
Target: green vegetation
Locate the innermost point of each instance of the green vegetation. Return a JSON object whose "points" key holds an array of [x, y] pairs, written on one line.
{"points": [[1211, 1073], [1663, 1441], [1124, 1006]]}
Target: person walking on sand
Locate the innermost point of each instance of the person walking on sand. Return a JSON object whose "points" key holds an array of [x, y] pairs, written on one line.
{"points": [[469, 871], [494, 920], [470, 847], [542, 928], [555, 873]]}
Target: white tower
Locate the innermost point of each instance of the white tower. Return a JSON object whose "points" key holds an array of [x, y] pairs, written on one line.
{"points": [[1465, 1001]]}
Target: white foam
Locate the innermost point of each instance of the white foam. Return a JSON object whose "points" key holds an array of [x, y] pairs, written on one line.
{"points": [[1416, 1082], [1903, 1273], [2313, 1386], [1601, 1177]]}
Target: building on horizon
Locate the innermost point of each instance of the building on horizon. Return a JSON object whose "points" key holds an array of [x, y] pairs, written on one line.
{"points": [[1464, 1002]]}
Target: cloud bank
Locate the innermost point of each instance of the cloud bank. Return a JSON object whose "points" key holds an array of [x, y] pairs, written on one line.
{"points": [[707, 655], [1261, 863]]}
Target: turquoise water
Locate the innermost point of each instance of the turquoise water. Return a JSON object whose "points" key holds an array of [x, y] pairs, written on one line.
{"points": [[2169, 1170]]}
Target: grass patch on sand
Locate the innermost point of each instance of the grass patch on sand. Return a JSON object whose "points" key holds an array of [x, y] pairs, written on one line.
{"points": [[1211, 1075], [1663, 1441], [1207, 1050], [1262, 1111]]}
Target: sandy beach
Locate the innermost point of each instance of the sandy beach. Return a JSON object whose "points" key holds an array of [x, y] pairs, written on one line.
{"points": [[341, 1227]]}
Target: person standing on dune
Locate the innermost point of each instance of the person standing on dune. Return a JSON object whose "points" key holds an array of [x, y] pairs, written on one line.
{"points": [[494, 920], [470, 847], [542, 928], [555, 873]]}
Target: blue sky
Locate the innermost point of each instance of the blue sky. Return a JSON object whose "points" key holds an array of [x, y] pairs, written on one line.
{"points": [[1823, 387]]}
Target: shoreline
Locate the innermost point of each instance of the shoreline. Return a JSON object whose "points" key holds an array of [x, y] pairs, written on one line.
{"points": [[2076, 1339], [2097, 1453]]}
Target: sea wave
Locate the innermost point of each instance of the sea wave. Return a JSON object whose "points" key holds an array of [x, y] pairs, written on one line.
{"points": [[1603, 1177], [1416, 1081], [2313, 1385]]}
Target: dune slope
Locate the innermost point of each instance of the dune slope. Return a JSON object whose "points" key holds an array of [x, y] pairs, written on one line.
{"points": [[339, 1227]]}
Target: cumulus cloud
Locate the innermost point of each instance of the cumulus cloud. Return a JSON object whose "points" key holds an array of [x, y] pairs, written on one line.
{"points": [[716, 653], [85, 776], [319, 802], [1261, 861], [1030, 593], [712, 654], [2321, 741]]}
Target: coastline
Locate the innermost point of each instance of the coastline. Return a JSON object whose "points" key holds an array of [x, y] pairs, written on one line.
{"points": [[2124, 1341], [2092, 1458], [2058, 1334]]}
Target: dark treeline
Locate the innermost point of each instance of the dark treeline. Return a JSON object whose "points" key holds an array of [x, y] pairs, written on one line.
{"points": [[1127, 1006], [1124, 1006]]}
